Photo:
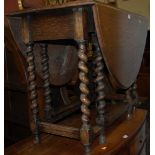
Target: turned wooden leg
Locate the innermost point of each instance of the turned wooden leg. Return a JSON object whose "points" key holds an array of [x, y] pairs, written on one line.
{"points": [[86, 130], [45, 72], [130, 102], [132, 98], [100, 91], [33, 91], [135, 94]]}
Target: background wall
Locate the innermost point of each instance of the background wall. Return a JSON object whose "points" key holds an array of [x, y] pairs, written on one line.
{"points": [[141, 7]]}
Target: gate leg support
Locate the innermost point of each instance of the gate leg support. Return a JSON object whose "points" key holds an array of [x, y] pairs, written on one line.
{"points": [[100, 120], [33, 91], [86, 130]]}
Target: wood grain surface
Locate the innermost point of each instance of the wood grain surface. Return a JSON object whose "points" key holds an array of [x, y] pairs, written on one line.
{"points": [[54, 26], [55, 145], [122, 37]]}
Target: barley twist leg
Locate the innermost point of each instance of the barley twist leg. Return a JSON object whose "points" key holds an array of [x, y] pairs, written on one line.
{"points": [[33, 91], [86, 130]]}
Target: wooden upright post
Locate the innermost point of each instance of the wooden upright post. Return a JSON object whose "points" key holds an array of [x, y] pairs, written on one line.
{"points": [[33, 91], [86, 129], [100, 100], [45, 72]]}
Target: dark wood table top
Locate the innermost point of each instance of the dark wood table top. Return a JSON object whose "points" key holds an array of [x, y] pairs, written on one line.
{"points": [[121, 34], [73, 4]]}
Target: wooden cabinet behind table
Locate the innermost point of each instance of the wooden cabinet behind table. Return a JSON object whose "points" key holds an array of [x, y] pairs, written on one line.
{"points": [[126, 137], [137, 145], [15, 94]]}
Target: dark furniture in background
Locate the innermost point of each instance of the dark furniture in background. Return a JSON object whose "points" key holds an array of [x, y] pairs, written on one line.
{"points": [[15, 91]]}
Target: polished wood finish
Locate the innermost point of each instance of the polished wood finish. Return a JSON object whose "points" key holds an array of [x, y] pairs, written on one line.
{"points": [[66, 130], [130, 102], [86, 133], [43, 25], [115, 143], [132, 98], [16, 97], [135, 94], [60, 56], [26, 4], [99, 80], [25, 30], [70, 5], [117, 30], [113, 39], [116, 140], [137, 144], [86, 129], [45, 72], [62, 130], [33, 92]]}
